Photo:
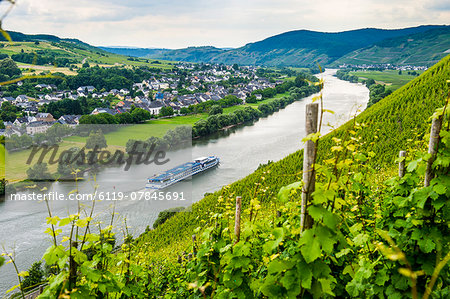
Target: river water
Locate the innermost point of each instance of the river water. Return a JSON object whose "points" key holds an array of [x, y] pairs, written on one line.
{"points": [[241, 150]]}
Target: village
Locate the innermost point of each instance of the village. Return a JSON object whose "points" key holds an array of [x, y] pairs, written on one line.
{"points": [[186, 86]]}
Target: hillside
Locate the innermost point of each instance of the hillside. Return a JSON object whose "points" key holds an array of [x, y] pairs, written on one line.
{"points": [[191, 54], [425, 48], [395, 123], [305, 48], [51, 53], [135, 52]]}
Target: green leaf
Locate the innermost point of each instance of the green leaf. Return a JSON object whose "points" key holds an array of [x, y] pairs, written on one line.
{"points": [[64, 221], [421, 197], [305, 276], [326, 286], [427, 245], [278, 266], [440, 189], [285, 191], [412, 165], [311, 246]]}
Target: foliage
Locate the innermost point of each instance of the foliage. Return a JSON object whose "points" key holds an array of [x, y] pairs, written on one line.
{"points": [[35, 276], [344, 75], [215, 109], [39, 172], [96, 140], [166, 214], [8, 69], [376, 93]]}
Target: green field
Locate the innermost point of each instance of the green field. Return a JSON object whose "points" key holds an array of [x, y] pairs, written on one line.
{"points": [[79, 53], [389, 77], [159, 127], [115, 140], [156, 128]]}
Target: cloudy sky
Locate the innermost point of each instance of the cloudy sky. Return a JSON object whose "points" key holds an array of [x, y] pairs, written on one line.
{"points": [[220, 23]]}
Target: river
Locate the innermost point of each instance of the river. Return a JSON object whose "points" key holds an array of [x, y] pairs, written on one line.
{"points": [[241, 150]]}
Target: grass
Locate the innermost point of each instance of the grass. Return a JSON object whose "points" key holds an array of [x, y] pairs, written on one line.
{"points": [[78, 53], [389, 77], [16, 161], [159, 127]]}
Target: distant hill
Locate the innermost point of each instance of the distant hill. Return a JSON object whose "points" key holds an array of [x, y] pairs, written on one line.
{"points": [[135, 52], [300, 47], [425, 48], [422, 45], [63, 52], [192, 54]]}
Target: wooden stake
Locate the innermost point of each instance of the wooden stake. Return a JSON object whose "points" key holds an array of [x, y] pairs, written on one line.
{"points": [[432, 148], [237, 220], [309, 157], [401, 164]]}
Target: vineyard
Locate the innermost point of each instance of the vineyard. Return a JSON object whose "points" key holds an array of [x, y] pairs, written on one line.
{"points": [[370, 233]]}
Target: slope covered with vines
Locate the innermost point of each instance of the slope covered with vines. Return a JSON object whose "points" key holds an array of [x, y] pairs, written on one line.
{"points": [[393, 124]]}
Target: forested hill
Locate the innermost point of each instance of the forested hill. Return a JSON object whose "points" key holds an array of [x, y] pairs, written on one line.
{"points": [[135, 52], [305, 48], [21, 37], [422, 48]]}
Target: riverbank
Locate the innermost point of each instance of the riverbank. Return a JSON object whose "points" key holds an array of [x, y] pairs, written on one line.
{"points": [[116, 140], [241, 150]]}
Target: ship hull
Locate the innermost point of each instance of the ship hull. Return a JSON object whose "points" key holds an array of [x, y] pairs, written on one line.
{"points": [[175, 179]]}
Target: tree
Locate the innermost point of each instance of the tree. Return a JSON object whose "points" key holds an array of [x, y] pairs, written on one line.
{"points": [[39, 172], [96, 140], [166, 111], [124, 118], [35, 276], [251, 99], [184, 111], [370, 82], [9, 67], [215, 109], [85, 65], [140, 115]]}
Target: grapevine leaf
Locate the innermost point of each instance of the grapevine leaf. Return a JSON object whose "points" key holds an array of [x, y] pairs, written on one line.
{"points": [[311, 246]]}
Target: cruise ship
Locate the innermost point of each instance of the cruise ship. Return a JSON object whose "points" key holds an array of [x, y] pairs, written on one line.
{"points": [[181, 172]]}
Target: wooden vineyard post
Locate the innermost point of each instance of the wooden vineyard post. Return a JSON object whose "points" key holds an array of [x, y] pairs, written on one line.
{"points": [[401, 164], [237, 220], [432, 148], [309, 157]]}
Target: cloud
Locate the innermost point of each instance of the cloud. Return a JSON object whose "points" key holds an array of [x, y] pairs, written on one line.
{"points": [[232, 23], [440, 5]]}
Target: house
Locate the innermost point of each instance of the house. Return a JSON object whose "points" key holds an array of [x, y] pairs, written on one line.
{"points": [[83, 89], [124, 91], [159, 96], [44, 117], [8, 99], [70, 120], [104, 110], [154, 107], [31, 110], [24, 120], [114, 91], [38, 127], [21, 99], [11, 130], [126, 105]]}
